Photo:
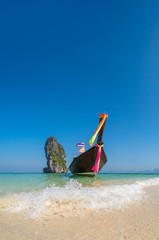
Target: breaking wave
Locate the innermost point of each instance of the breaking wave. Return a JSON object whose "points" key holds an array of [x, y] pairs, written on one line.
{"points": [[74, 198]]}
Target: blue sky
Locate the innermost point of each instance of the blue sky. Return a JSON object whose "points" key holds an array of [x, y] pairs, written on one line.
{"points": [[64, 62]]}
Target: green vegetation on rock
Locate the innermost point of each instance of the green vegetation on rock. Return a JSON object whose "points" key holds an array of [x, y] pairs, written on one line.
{"points": [[55, 155]]}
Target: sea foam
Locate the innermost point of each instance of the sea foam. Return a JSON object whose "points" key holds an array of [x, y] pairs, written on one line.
{"points": [[73, 198]]}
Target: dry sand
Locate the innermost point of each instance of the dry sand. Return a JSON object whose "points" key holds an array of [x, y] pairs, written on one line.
{"points": [[139, 221]]}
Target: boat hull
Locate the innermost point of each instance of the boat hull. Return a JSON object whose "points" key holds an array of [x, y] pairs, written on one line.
{"points": [[83, 164]]}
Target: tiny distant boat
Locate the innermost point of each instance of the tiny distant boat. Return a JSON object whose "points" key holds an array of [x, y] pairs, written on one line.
{"points": [[91, 162]]}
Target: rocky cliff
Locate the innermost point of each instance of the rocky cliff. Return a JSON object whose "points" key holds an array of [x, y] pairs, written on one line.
{"points": [[55, 156]]}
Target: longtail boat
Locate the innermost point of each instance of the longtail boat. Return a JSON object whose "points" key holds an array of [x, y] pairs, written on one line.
{"points": [[91, 162]]}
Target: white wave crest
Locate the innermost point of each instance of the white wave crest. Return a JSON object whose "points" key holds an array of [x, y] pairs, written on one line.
{"points": [[73, 198]]}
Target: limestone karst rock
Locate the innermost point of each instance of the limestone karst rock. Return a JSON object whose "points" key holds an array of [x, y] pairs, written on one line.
{"points": [[55, 156]]}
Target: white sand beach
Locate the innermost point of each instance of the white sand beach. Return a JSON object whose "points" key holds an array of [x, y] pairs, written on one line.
{"points": [[139, 221]]}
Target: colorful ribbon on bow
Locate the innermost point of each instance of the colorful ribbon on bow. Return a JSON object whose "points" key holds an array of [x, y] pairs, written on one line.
{"points": [[96, 166], [104, 116]]}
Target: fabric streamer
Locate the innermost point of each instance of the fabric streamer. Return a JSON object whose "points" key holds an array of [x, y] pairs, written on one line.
{"points": [[96, 166], [104, 116]]}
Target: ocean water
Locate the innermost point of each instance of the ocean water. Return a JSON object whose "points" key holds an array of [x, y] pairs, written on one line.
{"points": [[39, 194]]}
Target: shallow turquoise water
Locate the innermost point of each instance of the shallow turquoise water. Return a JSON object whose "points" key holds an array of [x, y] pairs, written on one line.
{"points": [[25, 182], [39, 194]]}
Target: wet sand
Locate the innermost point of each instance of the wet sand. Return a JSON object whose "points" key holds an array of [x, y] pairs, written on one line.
{"points": [[139, 221]]}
